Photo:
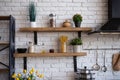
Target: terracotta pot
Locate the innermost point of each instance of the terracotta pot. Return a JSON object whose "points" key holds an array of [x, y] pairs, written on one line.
{"points": [[66, 24]]}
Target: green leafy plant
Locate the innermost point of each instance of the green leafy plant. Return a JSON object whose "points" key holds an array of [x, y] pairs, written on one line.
{"points": [[77, 18], [76, 41], [32, 12]]}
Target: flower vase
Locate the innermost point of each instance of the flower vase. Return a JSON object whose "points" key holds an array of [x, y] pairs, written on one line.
{"points": [[63, 47]]}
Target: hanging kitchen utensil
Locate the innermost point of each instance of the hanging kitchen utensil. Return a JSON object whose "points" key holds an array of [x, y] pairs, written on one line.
{"points": [[96, 67], [104, 68]]}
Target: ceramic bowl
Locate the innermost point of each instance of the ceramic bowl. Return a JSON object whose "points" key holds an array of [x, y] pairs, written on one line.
{"points": [[21, 50]]}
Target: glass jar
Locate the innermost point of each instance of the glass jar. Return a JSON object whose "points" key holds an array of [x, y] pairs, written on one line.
{"points": [[31, 47], [43, 48], [52, 20]]}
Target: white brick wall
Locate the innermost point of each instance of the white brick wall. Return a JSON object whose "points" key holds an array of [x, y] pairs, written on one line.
{"points": [[94, 13]]}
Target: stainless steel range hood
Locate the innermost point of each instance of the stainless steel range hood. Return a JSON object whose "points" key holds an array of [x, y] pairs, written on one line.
{"points": [[113, 23]]}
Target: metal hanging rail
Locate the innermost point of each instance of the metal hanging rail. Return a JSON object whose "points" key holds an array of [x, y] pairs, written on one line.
{"points": [[102, 49]]}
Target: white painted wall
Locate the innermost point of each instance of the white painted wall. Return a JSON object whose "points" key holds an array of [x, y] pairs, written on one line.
{"points": [[94, 14]]}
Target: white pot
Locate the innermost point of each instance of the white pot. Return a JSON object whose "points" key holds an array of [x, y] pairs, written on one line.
{"points": [[33, 24], [77, 48]]}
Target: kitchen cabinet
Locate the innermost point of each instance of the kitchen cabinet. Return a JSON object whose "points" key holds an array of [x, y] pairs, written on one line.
{"points": [[10, 44], [57, 29]]}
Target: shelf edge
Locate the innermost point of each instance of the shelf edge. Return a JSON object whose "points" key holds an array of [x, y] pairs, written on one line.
{"points": [[28, 29], [49, 54]]}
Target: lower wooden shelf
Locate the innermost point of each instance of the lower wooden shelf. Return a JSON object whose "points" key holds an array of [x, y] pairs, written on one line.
{"points": [[49, 54], [4, 43], [4, 70]]}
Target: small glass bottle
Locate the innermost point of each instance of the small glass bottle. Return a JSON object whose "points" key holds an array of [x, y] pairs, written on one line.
{"points": [[31, 47], [43, 48], [52, 20]]}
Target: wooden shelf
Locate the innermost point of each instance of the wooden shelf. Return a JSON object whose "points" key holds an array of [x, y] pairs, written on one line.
{"points": [[84, 29], [49, 54], [4, 70], [4, 17], [4, 43]]}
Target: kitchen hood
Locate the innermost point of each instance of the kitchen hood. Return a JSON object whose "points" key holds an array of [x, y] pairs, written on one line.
{"points": [[113, 23]]}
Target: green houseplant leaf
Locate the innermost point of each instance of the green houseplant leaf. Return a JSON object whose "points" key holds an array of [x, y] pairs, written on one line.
{"points": [[32, 12], [77, 18], [76, 41]]}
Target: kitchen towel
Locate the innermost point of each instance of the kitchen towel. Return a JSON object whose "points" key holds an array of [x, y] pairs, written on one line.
{"points": [[116, 62]]}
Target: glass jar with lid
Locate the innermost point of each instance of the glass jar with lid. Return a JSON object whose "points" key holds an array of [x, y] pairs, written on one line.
{"points": [[52, 20], [31, 47]]}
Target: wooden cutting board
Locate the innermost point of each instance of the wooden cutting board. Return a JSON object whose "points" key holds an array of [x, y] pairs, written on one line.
{"points": [[116, 62]]}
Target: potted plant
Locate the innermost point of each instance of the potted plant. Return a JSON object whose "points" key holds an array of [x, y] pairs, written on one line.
{"points": [[32, 14], [76, 43], [77, 18]]}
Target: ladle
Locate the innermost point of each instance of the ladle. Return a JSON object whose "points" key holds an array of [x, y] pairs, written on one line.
{"points": [[96, 67], [104, 68]]}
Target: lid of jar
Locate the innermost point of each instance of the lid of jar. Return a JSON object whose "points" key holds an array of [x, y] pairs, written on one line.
{"points": [[51, 15]]}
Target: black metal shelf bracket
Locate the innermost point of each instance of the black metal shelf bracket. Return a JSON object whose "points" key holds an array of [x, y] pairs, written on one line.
{"points": [[35, 37], [75, 57], [75, 63], [79, 34], [25, 63]]}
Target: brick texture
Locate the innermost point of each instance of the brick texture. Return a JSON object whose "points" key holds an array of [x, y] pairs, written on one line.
{"points": [[94, 14]]}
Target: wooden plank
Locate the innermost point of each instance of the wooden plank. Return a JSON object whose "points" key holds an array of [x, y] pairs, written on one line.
{"points": [[4, 70], [28, 29], [4, 17], [49, 54], [4, 43]]}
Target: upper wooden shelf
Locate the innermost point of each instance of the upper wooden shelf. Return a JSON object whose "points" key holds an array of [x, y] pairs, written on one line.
{"points": [[84, 29], [49, 54], [4, 43], [4, 17]]}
